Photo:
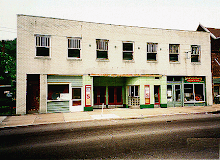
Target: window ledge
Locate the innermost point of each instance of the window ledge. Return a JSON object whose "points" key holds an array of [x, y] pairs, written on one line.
{"points": [[177, 62], [74, 59], [196, 63], [42, 57], [102, 60], [128, 61], [152, 61]]}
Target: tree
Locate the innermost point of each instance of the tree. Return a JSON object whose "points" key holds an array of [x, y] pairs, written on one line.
{"points": [[8, 63]]}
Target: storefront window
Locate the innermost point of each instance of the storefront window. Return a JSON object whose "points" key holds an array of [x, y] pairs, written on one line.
{"points": [[199, 92], [193, 92], [58, 91]]}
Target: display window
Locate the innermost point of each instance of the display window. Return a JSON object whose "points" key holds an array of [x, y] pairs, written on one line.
{"points": [[194, 93], [58, 92]]}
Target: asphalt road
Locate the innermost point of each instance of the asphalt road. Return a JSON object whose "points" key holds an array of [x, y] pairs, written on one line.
{"points": [[189, 136]]}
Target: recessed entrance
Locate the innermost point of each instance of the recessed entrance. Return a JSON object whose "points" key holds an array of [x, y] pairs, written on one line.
{"points": [[33, 93], [157, 95], [115, 95], [99, 95]]}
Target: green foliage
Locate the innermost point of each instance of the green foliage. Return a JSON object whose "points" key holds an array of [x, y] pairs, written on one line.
{"points": [[8, 63]]}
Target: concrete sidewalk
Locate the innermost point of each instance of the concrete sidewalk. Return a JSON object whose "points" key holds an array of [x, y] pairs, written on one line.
{"points": [[96, 114]]}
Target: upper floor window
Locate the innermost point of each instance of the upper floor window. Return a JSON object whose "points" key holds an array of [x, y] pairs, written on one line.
{"points": [[152, 51], [195, 53], [42, 45], [102, 49], [174, 52], [128, 50], [74, 47]]}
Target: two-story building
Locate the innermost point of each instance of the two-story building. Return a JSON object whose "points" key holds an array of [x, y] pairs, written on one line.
{"points": [[215, 58], [67, 65]]}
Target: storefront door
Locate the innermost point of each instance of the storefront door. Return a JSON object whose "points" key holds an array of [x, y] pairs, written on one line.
{"points": [[157, 95], [174, 98], [115, 95], [99, 95]]}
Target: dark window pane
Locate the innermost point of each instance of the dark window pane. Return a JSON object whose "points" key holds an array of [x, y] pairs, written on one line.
{"points": [[127, 46], [132, 91], [42, 51], [95, 95], [111, 95], [102, 54], [174, 57], [76, 93], [199, 92], [151, 56], [136, 91], [74, 53], [127, 56], [194, 58], [55, 90], [102, 95], [119, 94]]}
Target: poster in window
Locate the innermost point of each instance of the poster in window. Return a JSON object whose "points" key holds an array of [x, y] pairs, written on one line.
{"points": [[147, 94], [88, 95]]}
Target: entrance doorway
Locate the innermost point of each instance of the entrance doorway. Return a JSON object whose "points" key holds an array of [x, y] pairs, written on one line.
{"points": [[174, 98], [157, 95], [115, 96], [99, 95], [33, 93]]}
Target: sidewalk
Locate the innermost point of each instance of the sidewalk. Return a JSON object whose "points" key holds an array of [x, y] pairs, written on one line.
{"points": [[96, 114]]}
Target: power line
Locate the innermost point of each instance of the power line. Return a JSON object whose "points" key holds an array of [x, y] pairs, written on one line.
{"points": [[9, 28], [8, 31]]}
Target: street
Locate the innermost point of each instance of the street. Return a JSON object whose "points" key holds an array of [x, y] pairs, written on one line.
{"points": [[179, 136]]}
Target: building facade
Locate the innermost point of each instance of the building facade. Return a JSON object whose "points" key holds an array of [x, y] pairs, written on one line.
{"points": [[215, 58], [66, 66]]}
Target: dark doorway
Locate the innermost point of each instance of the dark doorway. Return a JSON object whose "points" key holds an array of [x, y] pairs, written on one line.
{"points": [[99, 95], [33, 93], [157, 95], [115, 95]]}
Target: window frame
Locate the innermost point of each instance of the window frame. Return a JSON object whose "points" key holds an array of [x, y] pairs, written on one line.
{"points": [[138, 87], [102, 46], [197, 54], [58, 99], [40, 43], [76, 99], [193, 92], [173, 51], [74, 46], [128, 51], [152, 50]]}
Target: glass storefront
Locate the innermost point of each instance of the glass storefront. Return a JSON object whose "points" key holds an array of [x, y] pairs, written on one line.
{"points": [[185, 91]]}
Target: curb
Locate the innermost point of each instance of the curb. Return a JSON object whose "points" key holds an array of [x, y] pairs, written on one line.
{"points": [[105, 119]]}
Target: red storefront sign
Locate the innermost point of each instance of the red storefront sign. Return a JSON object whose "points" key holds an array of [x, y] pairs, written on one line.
{"points": [[88, 95], [193, 79]]}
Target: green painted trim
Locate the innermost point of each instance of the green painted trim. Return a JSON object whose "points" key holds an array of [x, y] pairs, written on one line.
{"points": [[163, 105], [147, 106], [195, 104], [127, 106], [88, 108]]}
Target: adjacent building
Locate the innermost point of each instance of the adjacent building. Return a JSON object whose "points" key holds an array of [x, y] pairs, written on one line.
{"points": [[67, 65], [215, 58]]}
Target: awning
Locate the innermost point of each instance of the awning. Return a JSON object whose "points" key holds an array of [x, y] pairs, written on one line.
{"points": [[126, 75]]}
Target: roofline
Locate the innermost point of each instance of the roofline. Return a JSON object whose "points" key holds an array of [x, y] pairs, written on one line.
{"points": [[106, 23], [212, 35]]}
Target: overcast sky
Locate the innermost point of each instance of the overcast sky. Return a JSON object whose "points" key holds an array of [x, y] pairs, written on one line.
{"points": [[167, 14]]}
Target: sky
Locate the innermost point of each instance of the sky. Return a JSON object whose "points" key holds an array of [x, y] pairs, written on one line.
{"points": [[166, 14]]}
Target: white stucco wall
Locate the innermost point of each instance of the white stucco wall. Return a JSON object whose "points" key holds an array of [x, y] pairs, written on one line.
{"points": [[59, 30]]}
